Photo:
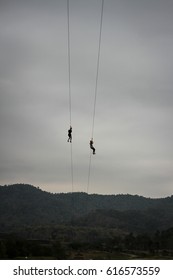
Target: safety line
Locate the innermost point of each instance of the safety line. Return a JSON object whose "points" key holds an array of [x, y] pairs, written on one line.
{"points": [[97, 71], [96, 89], [69, 59], [71, 149], [69, 83], [89, 172]]}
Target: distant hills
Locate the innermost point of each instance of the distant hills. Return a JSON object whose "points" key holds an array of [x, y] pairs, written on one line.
{"points": [[24, 205]]}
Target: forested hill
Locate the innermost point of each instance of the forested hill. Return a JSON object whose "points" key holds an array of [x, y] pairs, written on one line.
{"points": [[22, 204]]}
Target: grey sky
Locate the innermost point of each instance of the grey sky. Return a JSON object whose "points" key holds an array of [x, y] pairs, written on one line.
{"points": [[133, 132]]}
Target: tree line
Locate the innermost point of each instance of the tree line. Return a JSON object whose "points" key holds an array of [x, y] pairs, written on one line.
{"points": [[157, 246]]}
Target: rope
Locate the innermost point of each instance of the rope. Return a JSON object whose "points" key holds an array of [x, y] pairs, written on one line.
{"points": [[96, 88], [89, 172], [97, 71], [69, 83], [71, 166], [69, 60]]}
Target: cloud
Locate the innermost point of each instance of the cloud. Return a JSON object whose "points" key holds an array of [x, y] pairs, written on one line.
{"points": [[133, 120]]}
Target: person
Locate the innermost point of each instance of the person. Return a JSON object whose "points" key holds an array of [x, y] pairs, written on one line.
{"points": [[91, 146], [70, 135]]}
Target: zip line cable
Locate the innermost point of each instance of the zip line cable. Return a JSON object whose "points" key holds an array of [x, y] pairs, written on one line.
{"points": [[96, 85], [96, 88], [89, 172], [69, 84], [98, 64], [69, 59]]}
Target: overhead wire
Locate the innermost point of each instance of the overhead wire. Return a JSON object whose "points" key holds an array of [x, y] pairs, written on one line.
{"points": [[96, 88], [69, 86], [95, 91]]}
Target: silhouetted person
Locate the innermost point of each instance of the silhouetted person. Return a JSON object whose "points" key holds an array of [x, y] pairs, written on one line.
{"points": [[70, 135], [91, 146]]}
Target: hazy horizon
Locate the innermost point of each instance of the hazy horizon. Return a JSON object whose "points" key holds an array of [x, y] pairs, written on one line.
{"points": [[70, 192]]}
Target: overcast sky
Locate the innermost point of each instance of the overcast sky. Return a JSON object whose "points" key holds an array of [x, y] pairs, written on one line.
{"points": [[133, 132]]}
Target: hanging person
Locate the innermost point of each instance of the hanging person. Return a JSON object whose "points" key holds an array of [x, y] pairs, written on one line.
{"points": [[70, 135], [91, 146]]}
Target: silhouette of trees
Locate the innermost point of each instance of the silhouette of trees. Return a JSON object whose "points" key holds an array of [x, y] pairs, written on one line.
{"points": [[36, 224]]}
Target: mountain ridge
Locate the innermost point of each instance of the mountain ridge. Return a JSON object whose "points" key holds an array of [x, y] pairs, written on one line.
{"points": [[26, 205]]}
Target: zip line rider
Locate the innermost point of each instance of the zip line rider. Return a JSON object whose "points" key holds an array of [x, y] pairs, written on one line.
{"points": [[91, 146], [70, 135]]}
